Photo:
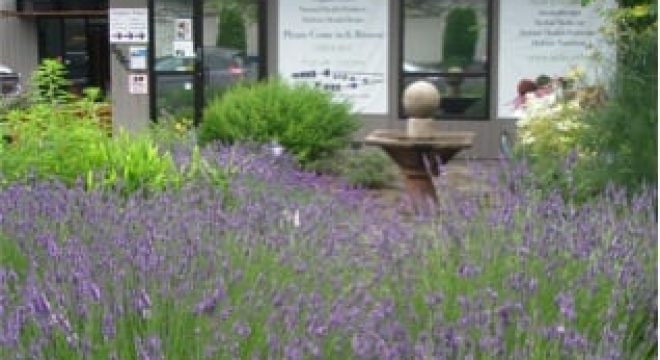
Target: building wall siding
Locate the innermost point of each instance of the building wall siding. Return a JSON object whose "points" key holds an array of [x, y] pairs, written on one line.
{"points": [[18, 41]]}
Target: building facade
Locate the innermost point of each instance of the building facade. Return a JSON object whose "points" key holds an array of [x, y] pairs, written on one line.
{"points": [[158, 58]]}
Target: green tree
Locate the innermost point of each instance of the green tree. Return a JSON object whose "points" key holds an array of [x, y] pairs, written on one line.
{"points": [[460, 37], [624, 131], [231, 29]]}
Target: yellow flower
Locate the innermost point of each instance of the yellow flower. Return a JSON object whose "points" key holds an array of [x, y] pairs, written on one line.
{"points": [[576, 73]]}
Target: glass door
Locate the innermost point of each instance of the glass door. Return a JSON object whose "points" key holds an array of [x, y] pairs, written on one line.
{"points": [[202, 48], [231, 51], [174, 61]]}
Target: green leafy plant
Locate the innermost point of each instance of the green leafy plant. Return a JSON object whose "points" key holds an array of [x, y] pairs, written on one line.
{"points": [[175, 103], [548, 132], [48, 142], [460, 37], [604, 134], [59, 144], [49, 83], [133, 162], [304, 120], [367, 168], [171, 131], [623, 133]]}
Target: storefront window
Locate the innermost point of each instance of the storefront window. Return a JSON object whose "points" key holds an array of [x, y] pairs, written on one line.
{"points": [[46, 5], [193, 68], [447, 44], [231, 44], [174, 58]]}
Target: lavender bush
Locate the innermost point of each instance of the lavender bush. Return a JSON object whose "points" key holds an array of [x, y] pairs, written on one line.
{"points": [[301, 267]]}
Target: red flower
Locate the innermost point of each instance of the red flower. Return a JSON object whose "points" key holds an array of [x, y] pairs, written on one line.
{"points": [[525, 86]]}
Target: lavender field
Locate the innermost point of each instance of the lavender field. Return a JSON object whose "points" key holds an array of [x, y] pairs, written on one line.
{"points": [[283, 264]]}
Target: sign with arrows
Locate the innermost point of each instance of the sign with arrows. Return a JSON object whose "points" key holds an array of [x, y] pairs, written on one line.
{"points": [[129, 26]]}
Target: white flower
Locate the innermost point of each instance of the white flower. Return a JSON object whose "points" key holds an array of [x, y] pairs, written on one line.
{"points": [[527, 139], [292, 217]]}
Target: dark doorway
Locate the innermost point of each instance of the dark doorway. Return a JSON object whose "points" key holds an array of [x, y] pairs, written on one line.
{"points": [[81, 43], [99, 50]]}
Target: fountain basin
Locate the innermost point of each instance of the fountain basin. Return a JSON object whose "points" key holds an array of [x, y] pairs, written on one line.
{"points": [[410, 152], [418, 157]]}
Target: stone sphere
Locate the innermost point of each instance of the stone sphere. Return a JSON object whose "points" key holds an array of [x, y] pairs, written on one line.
{"points": [[421, 100]]}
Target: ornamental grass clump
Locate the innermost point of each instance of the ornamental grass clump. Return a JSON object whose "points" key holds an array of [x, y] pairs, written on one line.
{"points": [[301, 267]]}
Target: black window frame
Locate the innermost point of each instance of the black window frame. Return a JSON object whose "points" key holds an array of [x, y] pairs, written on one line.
{"points": [[487, 75], [59, 5]]}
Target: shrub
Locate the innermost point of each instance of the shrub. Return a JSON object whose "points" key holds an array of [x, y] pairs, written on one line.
{"points": [[175, 103], [303, 120], [171, 131], [460, 37], [132, 162], [604, 134], [367, 168], [46, 141], [623, 134], [51, 143], [548, 134]]}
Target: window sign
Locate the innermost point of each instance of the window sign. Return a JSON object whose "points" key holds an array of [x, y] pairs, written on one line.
{"points": [[183, 30], [183, 49], [337, 45], [138, 84], [129, 25], [138, 57], [545, 39]]}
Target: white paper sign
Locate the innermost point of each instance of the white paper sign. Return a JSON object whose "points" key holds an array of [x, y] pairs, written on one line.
{"points": [[138, 57], [183, 30], [545, 37], [183, 49], [129, 25], [138, 84], [337, 45]]}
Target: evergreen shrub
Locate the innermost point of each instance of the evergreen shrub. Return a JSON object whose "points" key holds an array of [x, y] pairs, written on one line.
{"points": [[304, 120], [231, 29], [460, 38]]}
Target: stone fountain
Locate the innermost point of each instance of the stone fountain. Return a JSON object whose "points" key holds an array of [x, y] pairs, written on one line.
{"points": [[420, 148]]}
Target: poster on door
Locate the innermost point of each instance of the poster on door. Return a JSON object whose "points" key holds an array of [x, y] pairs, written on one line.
{"points": [[183, 30], [542, 39], [340, 46]]}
